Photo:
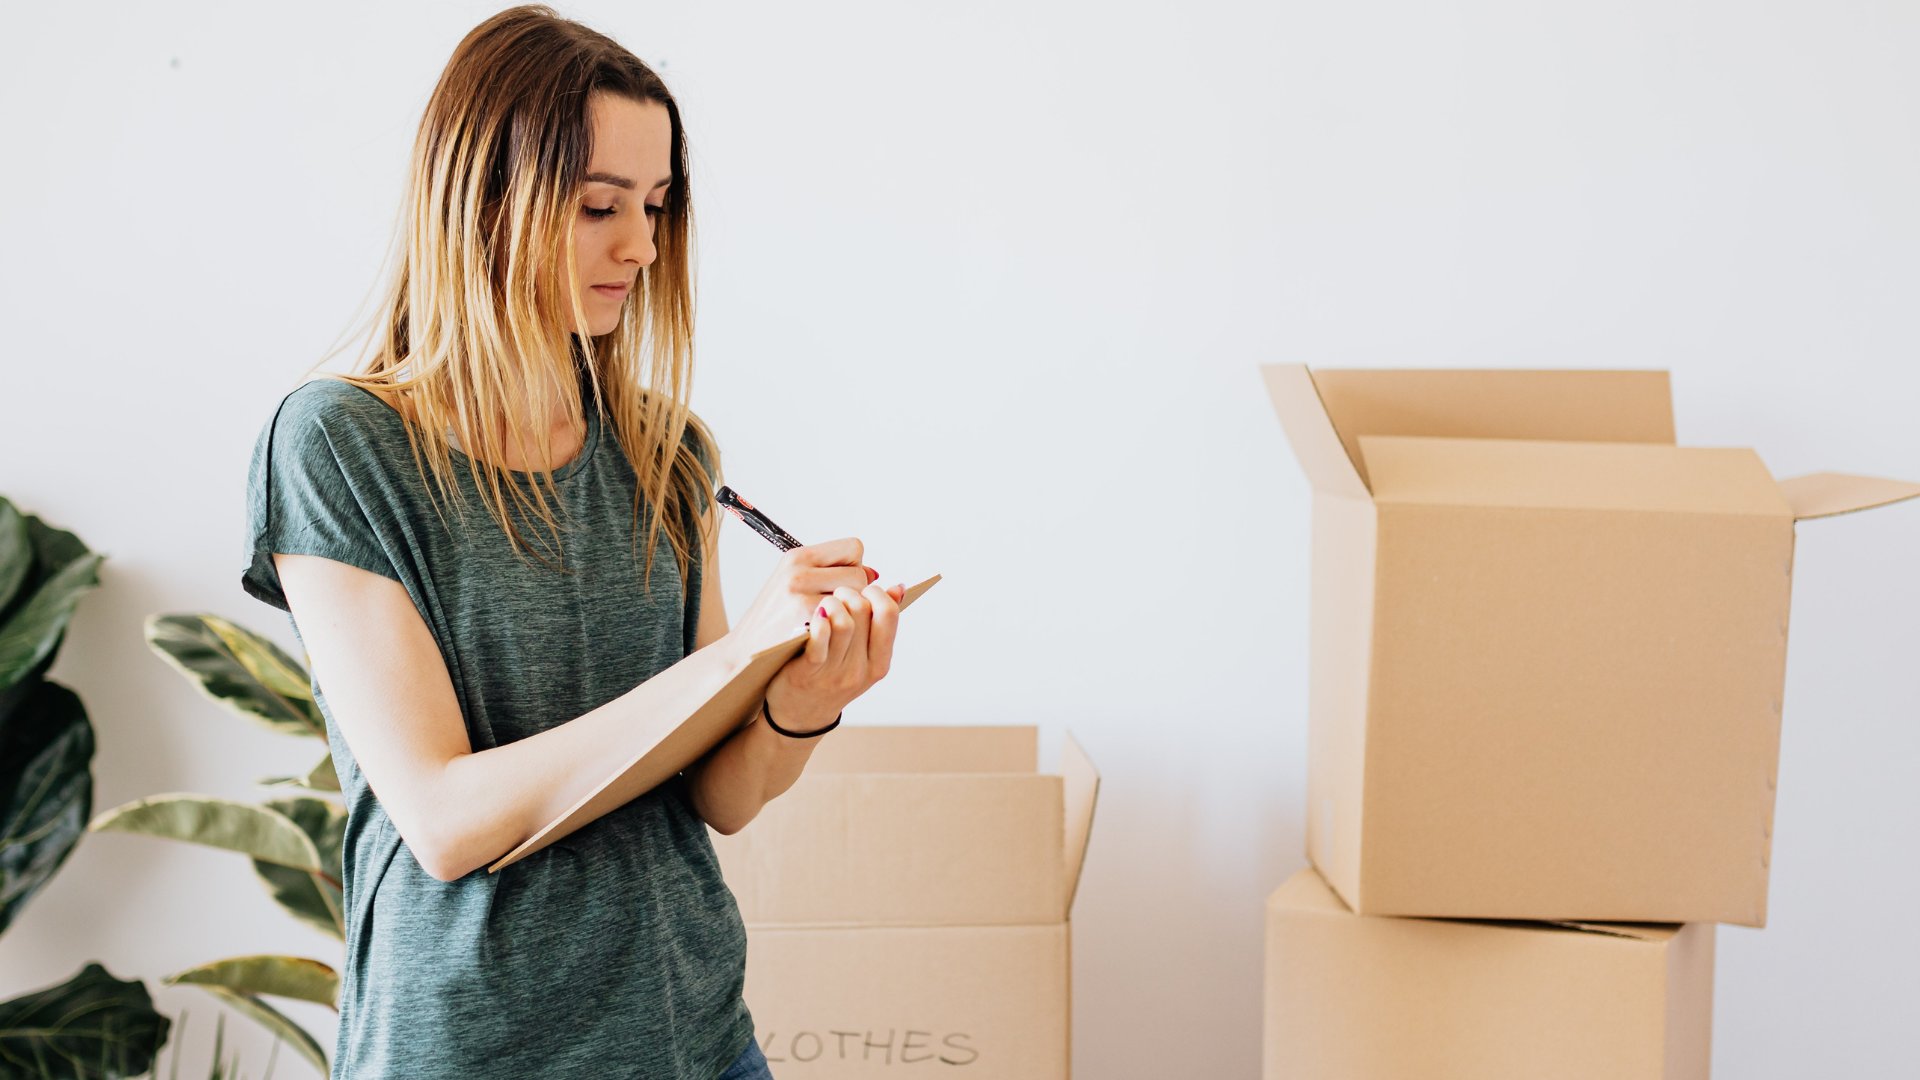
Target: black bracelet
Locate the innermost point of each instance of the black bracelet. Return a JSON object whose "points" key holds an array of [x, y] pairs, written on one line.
{"points": [[797, 734]]}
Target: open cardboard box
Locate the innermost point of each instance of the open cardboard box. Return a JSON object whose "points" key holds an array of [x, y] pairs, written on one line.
{"points": [[1548, 646], [1356, 997], [907, 904]]}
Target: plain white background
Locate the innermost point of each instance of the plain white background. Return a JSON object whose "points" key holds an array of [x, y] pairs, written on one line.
{"points": [[986, 285]]}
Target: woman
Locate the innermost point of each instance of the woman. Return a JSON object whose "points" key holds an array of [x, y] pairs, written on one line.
{"points": [[481, 676]]}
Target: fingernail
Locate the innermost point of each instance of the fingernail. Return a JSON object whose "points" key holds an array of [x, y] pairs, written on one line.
{"points": [[872, 575], [823, 611]]}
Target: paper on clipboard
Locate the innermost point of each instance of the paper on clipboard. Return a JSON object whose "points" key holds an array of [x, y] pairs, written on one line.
{"points": [[710, 724]]}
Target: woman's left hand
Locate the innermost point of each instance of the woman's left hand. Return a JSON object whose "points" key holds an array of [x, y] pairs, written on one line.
{"points": [[849, 647]]}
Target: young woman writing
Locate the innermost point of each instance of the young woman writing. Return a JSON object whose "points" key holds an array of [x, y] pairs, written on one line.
{"points": [[480, 674]]}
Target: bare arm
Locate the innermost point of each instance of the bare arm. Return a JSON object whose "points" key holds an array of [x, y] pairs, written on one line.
{"points": [[388, 690]]}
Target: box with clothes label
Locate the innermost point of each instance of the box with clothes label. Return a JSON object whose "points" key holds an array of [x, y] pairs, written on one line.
{"points": [[907, 905]]}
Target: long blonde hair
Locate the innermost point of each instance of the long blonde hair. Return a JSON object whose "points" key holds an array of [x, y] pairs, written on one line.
{"points": [[471, 331]]}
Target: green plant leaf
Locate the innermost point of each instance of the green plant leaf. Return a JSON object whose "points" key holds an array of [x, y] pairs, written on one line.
{"points": [[257, 831], [46, 791], [312, 898], [220, 1068], [34, 630], [275, 1021], [70, 1031], [282, 976], [52, 549], [16, 552], [241, 670], [12, 696], [319, 778]]}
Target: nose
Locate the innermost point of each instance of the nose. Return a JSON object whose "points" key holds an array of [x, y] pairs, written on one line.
{"points": [[635, 242]]}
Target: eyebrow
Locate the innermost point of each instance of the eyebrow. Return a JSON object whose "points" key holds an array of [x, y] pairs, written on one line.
{"points": [[621, 181]]}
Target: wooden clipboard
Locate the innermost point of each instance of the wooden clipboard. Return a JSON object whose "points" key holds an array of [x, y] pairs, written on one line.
{"points": [[721, 715]]}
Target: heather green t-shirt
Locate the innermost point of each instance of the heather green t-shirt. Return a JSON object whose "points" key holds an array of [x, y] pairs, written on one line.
{"points": [[617, 951]]}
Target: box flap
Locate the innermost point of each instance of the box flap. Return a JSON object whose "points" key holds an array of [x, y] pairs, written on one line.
{"points": [[1306, 892], [1082, 790], [1826, 494], [896, 849], [1329, 466], [1651, 932], [1570, 475], [918, 826], [901, 748], [1571, 406]]}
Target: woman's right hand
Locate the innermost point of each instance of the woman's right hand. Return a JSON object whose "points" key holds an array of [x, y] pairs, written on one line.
{"points": [[803, 577]]}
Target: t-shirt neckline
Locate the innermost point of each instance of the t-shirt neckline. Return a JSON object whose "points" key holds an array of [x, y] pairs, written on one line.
{"points": [[588, 443]]}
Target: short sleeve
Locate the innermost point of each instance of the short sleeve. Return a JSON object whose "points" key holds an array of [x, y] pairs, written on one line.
{"points": [[302, 495]]}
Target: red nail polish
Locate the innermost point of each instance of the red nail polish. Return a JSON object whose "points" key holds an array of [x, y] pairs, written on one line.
{"points": [[872, 575], [823, 611]]}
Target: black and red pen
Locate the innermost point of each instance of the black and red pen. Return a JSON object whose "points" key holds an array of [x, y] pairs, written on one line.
{"points": [[756, 520], [764, 525]]}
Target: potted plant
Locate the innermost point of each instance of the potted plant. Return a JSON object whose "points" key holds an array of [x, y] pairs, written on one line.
{"points": [[94, 1026], [293, 841]]}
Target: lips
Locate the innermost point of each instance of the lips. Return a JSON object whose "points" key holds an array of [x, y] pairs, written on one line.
{"points": [[616, 290]]}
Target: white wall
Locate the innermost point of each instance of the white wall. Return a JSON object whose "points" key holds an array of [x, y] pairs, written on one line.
{"points": [[1023, 259]]}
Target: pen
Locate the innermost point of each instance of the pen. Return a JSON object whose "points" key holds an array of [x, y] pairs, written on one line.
{"points": [[756, 520], [764, 525]]}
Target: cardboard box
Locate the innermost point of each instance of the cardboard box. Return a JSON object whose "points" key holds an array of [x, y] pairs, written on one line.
{"points": [[907, 905], [1358, 997], [891, 1001], [1548, 646]]}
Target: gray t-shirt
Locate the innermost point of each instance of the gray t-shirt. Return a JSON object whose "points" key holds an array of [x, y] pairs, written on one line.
{"points": [[615, 952]]}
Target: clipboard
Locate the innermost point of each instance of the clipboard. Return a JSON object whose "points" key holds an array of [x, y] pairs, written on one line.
{"points": [[712, 722]]}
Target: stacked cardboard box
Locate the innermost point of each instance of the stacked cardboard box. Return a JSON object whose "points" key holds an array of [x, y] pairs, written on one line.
{"points": [[907, 905], [1548, 648], [1359, 996]]}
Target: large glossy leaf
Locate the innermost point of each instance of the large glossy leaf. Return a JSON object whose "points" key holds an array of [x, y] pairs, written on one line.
{"points": [[26, 687], [312, 898], [51, 549], [16, 552], [319, 778], [92, 1027], [33, 631], [46, 791], [281, 976], [241, 670], [32, 628], [275, 1021], [48, 549], [258, 831]]}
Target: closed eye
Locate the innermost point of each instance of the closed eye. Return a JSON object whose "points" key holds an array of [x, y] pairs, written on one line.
{"points": [[600, 213]]}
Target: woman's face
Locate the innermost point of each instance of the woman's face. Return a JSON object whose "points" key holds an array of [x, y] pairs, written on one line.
{"points": [[626, 183]]}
